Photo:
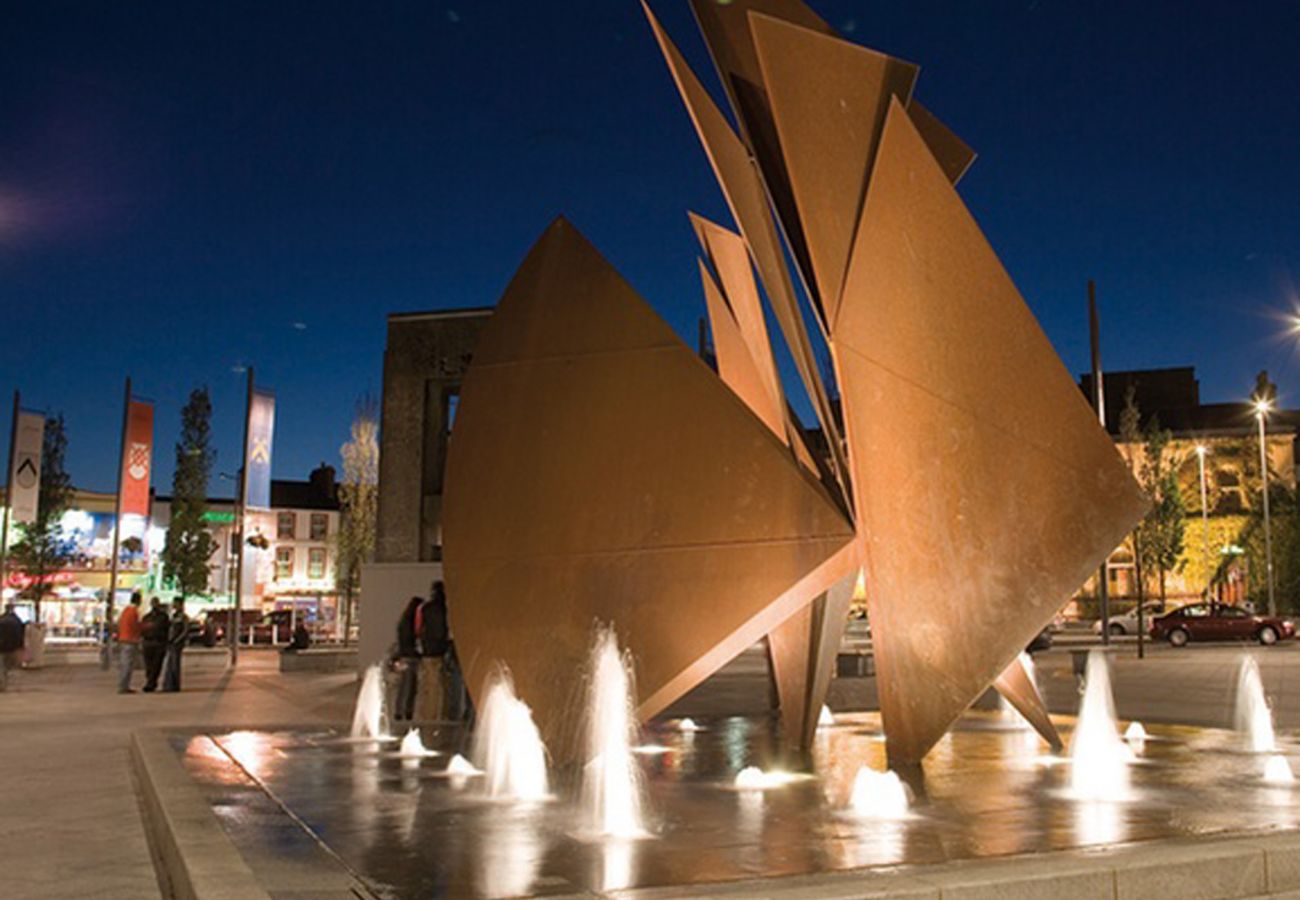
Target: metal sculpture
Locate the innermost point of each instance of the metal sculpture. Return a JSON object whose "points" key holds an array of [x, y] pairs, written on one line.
{"points": [[600, 471]]}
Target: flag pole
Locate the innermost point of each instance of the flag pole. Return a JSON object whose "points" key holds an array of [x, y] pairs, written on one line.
{"points": [[117, 508], [9, 489], [236, 614]]}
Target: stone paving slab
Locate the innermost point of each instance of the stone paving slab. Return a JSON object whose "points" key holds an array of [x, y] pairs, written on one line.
{"points": [[70, 820]]}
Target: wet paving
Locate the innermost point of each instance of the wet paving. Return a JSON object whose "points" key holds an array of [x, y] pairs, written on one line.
{"points": [[989, 789]]}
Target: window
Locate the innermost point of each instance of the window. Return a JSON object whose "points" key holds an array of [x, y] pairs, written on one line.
{"points": [[1195, 612], [283, 563], [316, 562], [320, 526], [1232, 612], [285, 523]]}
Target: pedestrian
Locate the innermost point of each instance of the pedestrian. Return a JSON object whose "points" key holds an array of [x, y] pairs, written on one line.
{"points": [[178, 634], [408, 659], [128, 643], [12, 631], [154, 628], [434, 643], [300, 640]]}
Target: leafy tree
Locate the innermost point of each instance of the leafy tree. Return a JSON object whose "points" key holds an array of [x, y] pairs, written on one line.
{"points": [[359, 504], [189, 542], [1158, 539], [42, 550]]}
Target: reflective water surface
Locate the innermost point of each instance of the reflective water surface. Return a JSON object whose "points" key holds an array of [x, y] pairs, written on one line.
{"points": [[989, 789]]}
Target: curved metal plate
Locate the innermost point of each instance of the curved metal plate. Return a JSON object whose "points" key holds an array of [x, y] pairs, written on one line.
{"points": [[599, 471]]}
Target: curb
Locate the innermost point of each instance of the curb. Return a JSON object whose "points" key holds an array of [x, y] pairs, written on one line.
{"points": [[200, 860]]}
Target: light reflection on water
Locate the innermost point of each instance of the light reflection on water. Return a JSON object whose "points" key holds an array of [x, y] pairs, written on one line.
{"points": [[985, 793]]}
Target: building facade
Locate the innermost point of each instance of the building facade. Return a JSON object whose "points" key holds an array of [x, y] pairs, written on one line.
{"points": [[1214, 448], [289, 558]]}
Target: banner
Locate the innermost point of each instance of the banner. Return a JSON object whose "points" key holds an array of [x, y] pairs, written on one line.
{"points": [[257, 455], [137, 458], [25, 467]]}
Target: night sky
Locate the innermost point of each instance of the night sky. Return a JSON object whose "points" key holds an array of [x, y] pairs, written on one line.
{"points": [[187, 189]]}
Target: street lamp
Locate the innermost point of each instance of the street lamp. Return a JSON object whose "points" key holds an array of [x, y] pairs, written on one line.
{"points": [[1201, 450], [1262, 406]]}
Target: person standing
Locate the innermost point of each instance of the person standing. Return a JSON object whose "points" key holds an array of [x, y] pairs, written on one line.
{"points": [[434, 641], [178, 634], [128, 643], [154, 629], [408, 657], [11, 643]]}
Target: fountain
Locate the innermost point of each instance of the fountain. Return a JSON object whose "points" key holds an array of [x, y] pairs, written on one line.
{"points": [[1254, 718], [370, 720], [1099, 757], [879, 795], [413, 747], [1135, 733], [752, 778], [688, 726], [1277, 770], [825, 717], [507, 746], [462, 767], [611, 779]]}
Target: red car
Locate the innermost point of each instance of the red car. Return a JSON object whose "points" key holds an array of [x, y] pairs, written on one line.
{"points": [[1217, 622]]}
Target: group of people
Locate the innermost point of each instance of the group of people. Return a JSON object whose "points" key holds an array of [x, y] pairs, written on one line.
{"points": [[158, 638], [426, 657], [13, 632]]}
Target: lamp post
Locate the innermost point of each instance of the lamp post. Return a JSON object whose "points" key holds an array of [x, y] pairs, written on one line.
{"points": [[1201, 450], [1261, 413]]}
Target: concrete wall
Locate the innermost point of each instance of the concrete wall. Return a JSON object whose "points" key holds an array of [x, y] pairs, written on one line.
{"points": [[424, 362]]}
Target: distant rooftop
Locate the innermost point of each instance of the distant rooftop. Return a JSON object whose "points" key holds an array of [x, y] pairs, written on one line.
{"points": [[1173, 396]]}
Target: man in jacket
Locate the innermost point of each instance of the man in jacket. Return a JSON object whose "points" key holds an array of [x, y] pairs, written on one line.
{"points": [[128, 644], [178, 635], [154, 628], [12, 631], [434, 642]]}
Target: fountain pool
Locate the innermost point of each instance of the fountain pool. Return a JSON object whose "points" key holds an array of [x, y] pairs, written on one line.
{"points": [[412, 831]]}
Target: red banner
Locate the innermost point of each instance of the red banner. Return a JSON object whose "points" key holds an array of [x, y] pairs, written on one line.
{"points": [[137, 459]]}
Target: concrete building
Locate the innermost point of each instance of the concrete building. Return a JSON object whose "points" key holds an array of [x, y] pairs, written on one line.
{"points": [[425, 360]]}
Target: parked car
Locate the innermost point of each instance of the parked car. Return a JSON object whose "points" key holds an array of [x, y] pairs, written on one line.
{"points": [[1219, 622], [1128, 622]]}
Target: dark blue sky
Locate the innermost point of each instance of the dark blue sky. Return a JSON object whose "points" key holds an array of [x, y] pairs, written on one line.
{"points": [[188, 188]]}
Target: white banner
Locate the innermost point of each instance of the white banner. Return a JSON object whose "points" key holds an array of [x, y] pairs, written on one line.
{"points": [[25, 467]]}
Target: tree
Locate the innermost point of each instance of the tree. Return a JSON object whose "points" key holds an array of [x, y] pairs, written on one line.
{"points": [[189, 543], [42, 550], [358, 504], [1159, 537]]}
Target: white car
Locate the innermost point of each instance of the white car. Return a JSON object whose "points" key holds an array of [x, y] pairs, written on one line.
{"points": [[1128, 623]]}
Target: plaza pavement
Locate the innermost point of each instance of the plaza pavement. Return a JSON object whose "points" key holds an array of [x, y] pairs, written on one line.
{"points": [[70, 823]]}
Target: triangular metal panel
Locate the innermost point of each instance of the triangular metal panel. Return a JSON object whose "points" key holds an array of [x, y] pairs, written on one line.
{"points": [[953, 154], [828, 99], [747, 201], [735, 364], [725, 27], [1016, 685], [599, 471], [986, 490]]}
